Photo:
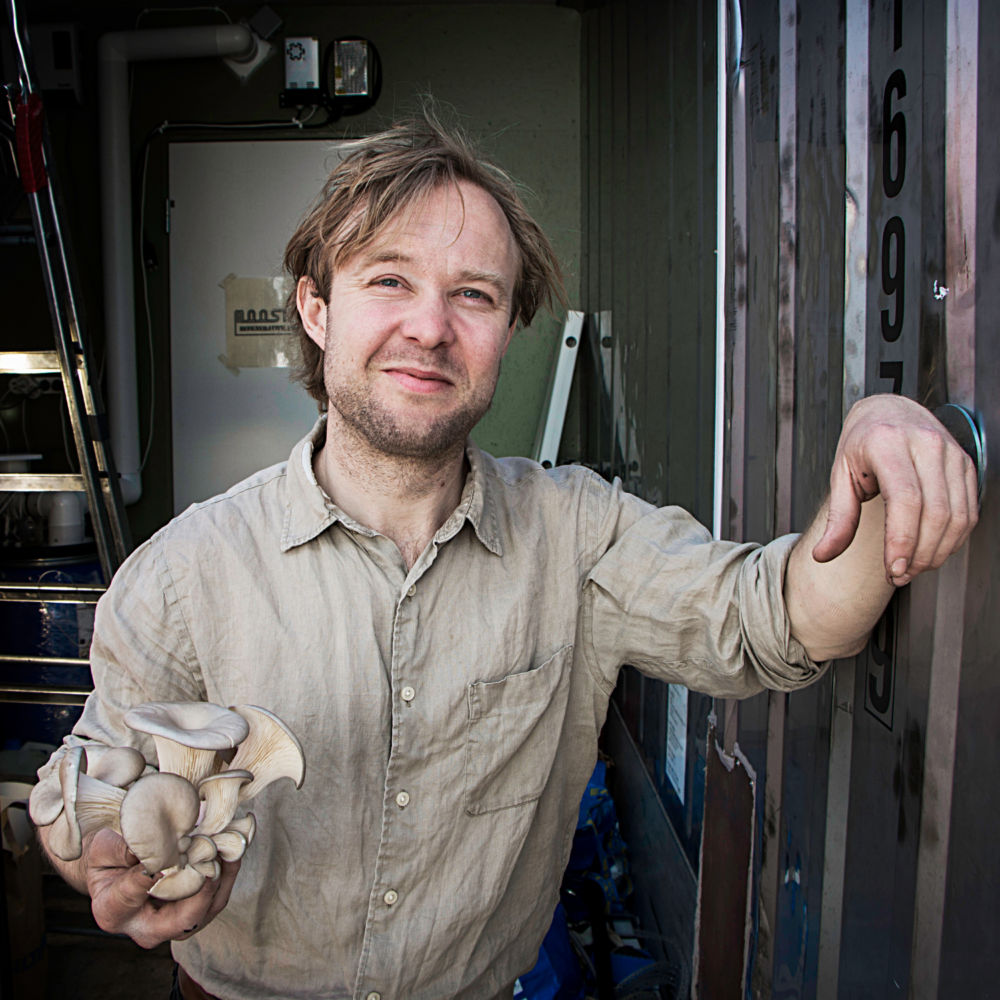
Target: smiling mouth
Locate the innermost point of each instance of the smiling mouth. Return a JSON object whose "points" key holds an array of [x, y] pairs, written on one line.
{"points": [[418, 380]]}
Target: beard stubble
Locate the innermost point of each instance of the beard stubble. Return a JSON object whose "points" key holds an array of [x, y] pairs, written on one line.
{"points": [[356, 403]]}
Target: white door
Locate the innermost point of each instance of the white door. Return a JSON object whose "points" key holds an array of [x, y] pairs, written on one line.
{"points": [[235, 204]]}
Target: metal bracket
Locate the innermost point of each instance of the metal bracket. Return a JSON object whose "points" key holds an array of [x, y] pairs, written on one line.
{"points": [[554, 413], [967, 430]]}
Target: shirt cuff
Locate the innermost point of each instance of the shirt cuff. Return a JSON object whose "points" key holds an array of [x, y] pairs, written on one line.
{"points": [[780, 662]]}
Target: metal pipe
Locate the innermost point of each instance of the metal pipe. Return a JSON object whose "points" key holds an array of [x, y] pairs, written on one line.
{"points": [[115, 51], [44, 661], [721, 127]]}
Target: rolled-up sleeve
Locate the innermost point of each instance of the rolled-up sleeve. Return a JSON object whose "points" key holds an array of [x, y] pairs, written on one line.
{"points": [[667, 599]]}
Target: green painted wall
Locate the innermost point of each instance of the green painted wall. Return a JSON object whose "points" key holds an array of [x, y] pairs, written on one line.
{"points": [[510, 71]]}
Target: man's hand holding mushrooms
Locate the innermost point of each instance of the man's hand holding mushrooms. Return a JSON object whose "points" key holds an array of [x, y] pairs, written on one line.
{"points": [[436, 630]]}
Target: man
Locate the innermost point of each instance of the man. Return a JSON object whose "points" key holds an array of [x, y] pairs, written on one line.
{"points": [[443, 630]]}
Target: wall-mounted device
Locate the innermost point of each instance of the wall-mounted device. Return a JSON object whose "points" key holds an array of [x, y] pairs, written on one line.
{"points": [[302, 65], [57, 57], [347, 82]]}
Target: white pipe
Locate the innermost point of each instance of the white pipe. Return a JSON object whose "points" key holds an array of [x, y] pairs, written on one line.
{"points": [[115, 51]]}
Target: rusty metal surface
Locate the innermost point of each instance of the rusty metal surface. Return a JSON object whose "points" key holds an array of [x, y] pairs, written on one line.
{"points": [[727, 874]]}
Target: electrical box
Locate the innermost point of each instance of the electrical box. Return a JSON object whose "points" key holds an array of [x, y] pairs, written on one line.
{"points": [[350, 68], [301, 63], [57, 57]]}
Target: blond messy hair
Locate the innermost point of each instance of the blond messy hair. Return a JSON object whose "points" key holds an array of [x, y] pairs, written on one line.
{"points": [[383, 174]]}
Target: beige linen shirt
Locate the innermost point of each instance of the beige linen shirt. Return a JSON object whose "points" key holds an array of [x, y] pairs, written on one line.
{"points": [[477, 683]]}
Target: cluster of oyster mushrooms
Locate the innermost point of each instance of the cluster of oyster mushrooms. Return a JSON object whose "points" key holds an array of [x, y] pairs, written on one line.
{"points": [[180, 819]]}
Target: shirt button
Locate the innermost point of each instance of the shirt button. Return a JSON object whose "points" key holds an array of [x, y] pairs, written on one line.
{"points": [[390, 897], [374, 996], [403, 799], [407, 694], [411, 591]]}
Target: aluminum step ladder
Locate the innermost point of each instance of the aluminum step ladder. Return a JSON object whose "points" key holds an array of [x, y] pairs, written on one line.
{"points": [[73, 360]]}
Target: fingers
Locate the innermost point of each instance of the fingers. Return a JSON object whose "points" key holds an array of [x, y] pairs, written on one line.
{"points": [[962, 512], [843, 514], [176, 920], [230, 869], [121, 902], [928, 512], [108, 850]]}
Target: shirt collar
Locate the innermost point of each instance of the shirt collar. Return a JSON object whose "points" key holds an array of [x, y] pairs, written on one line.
{"points": [[309, 511]]}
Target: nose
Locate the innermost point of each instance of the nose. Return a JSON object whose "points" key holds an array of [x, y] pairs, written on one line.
{"points": [[430, 322]]}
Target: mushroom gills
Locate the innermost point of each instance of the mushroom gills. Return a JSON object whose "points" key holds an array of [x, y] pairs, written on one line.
{"points": [[98, 805], [220, 794], [270, 751], [188, 734]]}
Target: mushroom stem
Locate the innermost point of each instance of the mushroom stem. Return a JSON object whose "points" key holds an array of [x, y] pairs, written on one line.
{"points": [[189, 762], [188, 734]]}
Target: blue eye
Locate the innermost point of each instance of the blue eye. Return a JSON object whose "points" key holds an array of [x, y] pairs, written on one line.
{"points": [[389, 282], [472, 293]]}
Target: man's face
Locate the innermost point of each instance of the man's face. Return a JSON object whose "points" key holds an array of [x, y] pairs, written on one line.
{"points": [[416, 328]]}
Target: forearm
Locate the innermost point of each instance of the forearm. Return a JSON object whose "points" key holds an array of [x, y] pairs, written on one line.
{"points": [[72, 872], [833, 606]]}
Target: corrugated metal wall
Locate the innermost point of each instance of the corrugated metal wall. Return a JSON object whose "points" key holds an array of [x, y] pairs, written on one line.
{"points": [[649, 239], [645, 383]]}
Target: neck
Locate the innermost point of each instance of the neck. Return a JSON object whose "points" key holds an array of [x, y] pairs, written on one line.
{"points": [[405, 499]]}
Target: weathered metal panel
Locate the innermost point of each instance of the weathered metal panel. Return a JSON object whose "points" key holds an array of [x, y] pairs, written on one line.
{"points": [[969, 958]]}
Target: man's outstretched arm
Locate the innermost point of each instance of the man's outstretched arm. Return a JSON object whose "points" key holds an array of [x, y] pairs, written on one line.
{"points": [[903, 497]]}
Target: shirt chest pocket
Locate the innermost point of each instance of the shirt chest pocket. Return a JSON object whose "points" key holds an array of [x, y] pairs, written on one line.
{"points": [[514, 729]]}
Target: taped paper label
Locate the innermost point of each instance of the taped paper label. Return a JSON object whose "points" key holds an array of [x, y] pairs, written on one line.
{"points": [[257, 335], [675, 759]]}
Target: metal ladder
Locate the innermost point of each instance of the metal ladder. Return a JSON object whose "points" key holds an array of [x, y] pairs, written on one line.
{"points": [[73, 360]]}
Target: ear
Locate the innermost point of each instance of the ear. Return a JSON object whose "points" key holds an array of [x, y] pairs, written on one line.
{"points": [[312, 311]]}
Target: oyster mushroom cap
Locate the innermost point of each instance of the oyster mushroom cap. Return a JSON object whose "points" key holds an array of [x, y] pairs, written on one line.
{"points": [[157, 814], [221, 795], [65, 838], [178, 883], [118, 766], [46, 802], [187, 734], [202, 849], [98, 805], [247, 825], [210, 869], [270, 751], [232, 845]]}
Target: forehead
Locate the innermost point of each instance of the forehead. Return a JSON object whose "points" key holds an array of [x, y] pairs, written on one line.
{"points": [[460, 222]]}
